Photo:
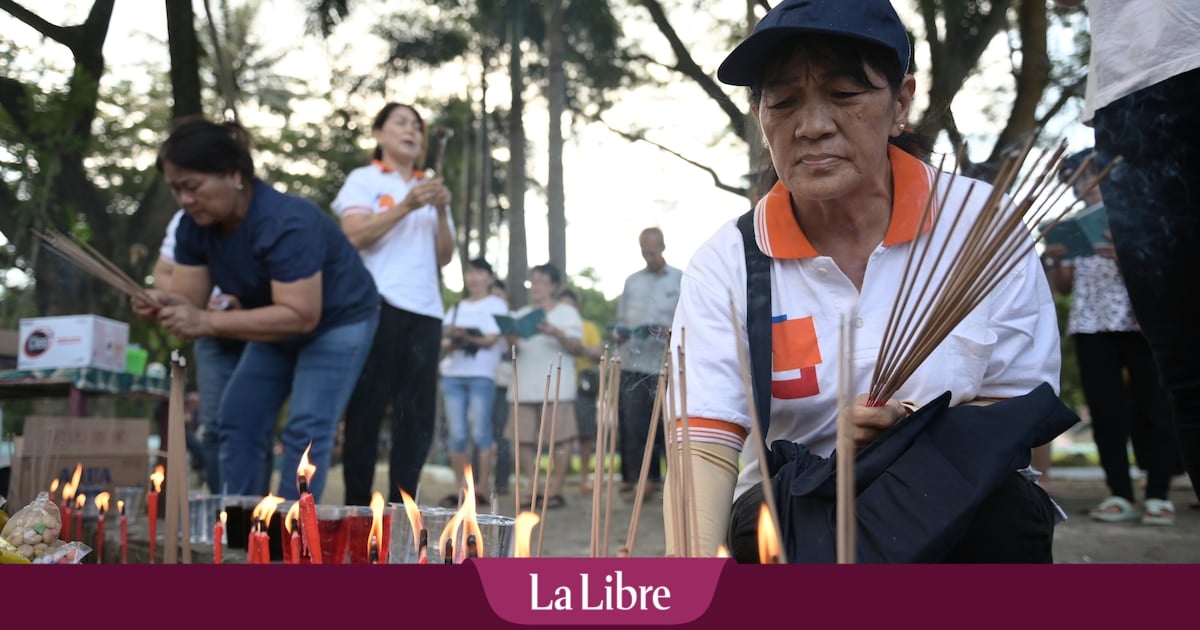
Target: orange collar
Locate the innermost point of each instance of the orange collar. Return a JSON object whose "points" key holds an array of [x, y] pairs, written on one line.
{"points": [[779, 235], [383, 167]]}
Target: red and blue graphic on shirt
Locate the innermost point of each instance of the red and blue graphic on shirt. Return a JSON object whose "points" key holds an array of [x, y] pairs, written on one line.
{"points": [[795, 355]]}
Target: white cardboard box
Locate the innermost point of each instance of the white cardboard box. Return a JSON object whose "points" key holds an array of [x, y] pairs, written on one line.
{"points": [[72, 341]]}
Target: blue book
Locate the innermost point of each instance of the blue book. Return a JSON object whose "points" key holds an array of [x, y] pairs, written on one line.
{"points": [[524, 326], [1080, 232]]}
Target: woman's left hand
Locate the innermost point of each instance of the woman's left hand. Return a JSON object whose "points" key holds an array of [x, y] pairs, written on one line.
{"points": [[870, 422], [185, 321]]}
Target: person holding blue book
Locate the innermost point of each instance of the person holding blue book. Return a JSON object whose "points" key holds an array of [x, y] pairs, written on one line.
{"points": [[1109, 345]]}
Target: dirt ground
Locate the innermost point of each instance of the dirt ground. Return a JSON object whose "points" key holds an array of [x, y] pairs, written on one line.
{"points": [[1078, 540]]}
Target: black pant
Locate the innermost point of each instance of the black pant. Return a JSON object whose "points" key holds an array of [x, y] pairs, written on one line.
{"points": [[1015, 524], [1153, 204], [635, 407], [401, 370], [1116, 407], [504, 454]]}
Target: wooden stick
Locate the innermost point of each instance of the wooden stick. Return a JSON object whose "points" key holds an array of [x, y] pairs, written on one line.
{"points": [[537, 454], [756, 435], [847, 523], [550, 449], [177, 469], [613, 412], [674, 465], [691, 518], [516, 420], [647, 452], [601, 453]]}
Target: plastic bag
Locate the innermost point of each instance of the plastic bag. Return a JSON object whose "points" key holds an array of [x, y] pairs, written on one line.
{"points": [[33, 531]]}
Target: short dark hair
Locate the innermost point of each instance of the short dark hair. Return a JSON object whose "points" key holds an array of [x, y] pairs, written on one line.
{"points": [[480, 263], [497, 283], [846, 57], [198, 144], [1072, 164], [550, 271], [571, 294]]}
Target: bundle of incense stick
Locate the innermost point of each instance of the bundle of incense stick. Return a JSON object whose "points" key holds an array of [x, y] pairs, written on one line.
{"points": [[85, 258], [925, 310]]}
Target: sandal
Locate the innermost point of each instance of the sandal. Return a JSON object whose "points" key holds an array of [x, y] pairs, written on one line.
{"points": [[1114, 510], [449, 501], [1158, 512], [555, 502]]}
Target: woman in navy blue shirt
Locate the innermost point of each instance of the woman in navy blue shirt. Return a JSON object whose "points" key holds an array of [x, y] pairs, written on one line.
{"points": [[308, 306]]}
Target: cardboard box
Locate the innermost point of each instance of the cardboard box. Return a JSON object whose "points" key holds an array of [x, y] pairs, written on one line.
{"points": [[72, 341], [112, 451]]}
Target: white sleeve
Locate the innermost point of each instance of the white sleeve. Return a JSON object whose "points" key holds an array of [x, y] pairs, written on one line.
{"points": [[1028, 347], [356, 195], [705, 327], [167, 250]]}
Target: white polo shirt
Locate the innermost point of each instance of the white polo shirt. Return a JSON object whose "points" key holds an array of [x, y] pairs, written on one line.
{"points": [[1005, 347], [404, 261]]}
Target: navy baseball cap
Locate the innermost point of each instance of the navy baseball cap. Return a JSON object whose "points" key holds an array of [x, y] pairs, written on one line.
{"points": [[873, 21]]}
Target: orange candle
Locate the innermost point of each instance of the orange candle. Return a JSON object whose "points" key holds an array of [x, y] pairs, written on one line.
{"points": [[124, 533], [294, 545], [218, 534], [152, 506]]}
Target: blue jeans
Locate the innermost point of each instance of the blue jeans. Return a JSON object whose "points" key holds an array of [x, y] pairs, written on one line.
{"points": [[1153, 204], [215, 362], [469, 397], [318, 372]]}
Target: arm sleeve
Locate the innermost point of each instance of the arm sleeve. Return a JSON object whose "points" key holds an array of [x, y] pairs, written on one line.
{"points": [[714, 474], [355, 196], [188, 251], [167, 250]]}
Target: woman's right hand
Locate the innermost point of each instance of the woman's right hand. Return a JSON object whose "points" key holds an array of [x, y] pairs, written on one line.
{"points": [[427, 193], [148, 311]]}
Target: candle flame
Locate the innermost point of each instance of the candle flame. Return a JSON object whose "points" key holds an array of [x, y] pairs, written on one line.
{"points": [[522, 530], [306, 469], [54, 485], [157, 477], [470, 517], [80, 501], [292, 516], [722, 552], [450, 534], [375, 537], [121, 507], [414, 518], [101, 501], [224, 517], [768, 541], [266, 508], [75, 477]]}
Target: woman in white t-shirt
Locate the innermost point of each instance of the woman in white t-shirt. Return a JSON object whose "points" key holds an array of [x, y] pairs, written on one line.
{"points": [[538, 355], [468, 376]]}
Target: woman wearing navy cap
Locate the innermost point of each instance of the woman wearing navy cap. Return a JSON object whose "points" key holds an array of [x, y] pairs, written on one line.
{"points": [[830, 88]]}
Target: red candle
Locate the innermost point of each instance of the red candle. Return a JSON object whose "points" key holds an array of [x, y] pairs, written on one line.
{"points": [[66, 517], [264, 545], [294, 545], [124, 533], [152, 507], [101, 501], [218, 534], [80, 501], [252, 544], [311, 537]]}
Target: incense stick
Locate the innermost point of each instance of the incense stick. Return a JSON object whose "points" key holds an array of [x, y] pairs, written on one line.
{"points": [[691, 519], [756, 435], [537, 453], [601, 452], [613, 413], [552, 451], [847, 524], [177, 469], [85, 258], [647, 452]]}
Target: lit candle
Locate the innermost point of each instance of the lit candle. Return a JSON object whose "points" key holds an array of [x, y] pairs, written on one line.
{"points": [[311, 537], [124, 533], [152, 507], [101, 501], [68, 494], [80, 501], [374, 540], [53, 490], [218, 534], [291, 526]]}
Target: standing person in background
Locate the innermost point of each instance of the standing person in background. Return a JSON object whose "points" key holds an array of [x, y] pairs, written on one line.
{"points": [[538, 355], [587, 352], [500, 404], [1143, 84], [399, 220], [468, 378], [1109, 347], [308, 306], [215, 361], [644, 315]]}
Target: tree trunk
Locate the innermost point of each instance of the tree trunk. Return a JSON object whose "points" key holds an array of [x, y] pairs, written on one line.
{"points": [[1032, 79], [518, 256], [556, 197], [484, 153], [184, 49]]}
